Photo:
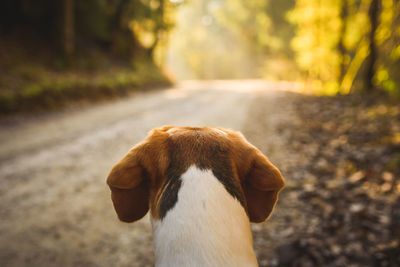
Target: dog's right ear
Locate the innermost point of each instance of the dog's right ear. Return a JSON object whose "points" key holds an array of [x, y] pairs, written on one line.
{"points": [[261, 186], [130, 188], [261, 181]]}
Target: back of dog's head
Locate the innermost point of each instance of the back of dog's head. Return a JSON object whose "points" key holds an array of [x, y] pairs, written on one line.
{"points": [[148, 177]]}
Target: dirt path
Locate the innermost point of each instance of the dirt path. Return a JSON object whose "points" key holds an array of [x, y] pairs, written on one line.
{"points": [[54, 204]]}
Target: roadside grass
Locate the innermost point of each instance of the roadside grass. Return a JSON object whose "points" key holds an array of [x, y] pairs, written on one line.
{"points": [[33, 87]]}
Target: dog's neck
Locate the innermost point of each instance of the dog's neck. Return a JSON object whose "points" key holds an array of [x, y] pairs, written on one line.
{"points": [[206, 226]]}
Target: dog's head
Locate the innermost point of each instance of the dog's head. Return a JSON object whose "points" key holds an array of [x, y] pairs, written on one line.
{"points": [[148, 176]]}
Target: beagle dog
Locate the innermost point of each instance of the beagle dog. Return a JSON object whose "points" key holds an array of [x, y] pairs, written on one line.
{"points": [[203, 187]]}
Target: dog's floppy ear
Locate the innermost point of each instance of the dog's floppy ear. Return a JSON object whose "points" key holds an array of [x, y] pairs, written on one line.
{"points": [[261, 187], [129, 186], [261, 181]]}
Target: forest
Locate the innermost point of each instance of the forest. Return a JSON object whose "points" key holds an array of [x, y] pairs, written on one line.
{"points": [[56, 50], [336, 46], [52, 51]]}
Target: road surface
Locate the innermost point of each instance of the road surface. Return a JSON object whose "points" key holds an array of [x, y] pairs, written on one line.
{"points": [[55, 207]]}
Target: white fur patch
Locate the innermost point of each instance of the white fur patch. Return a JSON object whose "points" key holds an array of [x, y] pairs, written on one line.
{"points": [[206, 227]]}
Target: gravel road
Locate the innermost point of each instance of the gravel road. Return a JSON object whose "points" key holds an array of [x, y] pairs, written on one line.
{"points": [[55, 207]]}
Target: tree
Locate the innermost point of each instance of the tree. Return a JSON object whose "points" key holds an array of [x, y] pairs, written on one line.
{"points": [[72, 28], [373, 12], [318, 37], [342, 35], [68, 28], [348, 45]]}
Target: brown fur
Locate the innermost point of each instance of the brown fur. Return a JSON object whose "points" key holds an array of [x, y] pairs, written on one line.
{"points": [[148, 176]]}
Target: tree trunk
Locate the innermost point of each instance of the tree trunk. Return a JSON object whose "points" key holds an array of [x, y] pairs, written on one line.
{"points": [[68, 28], [373, 53], [116, 21], [342, 49], [160, 28], [124, 43]]}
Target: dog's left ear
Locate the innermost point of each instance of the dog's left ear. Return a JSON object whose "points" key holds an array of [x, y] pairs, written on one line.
{"points": [[129, 186], [261, 182]]}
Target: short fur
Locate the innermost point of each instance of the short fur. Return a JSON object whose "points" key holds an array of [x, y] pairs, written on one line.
{"points": [[206, 227], [149, 176]]}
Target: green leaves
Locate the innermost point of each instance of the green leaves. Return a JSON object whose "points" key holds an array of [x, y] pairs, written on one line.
{"points": [[332, 43]]}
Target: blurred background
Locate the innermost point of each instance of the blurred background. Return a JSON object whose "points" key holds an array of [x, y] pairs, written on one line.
{"points": [[314, 84]]}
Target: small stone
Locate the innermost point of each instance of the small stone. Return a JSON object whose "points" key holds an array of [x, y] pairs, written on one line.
{"points": [[336, 249], [287, 232], [386, 187], [356, 207], [274, 262], [333, 184], [397, 188], [357, 176], [387, 176], [256, 227], [309, 187], [384, 219]]}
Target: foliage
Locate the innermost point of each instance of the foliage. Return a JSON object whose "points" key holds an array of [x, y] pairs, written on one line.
{"points": [[118, 26], [55, 51], [340, 46], [230, 39], [333, 46]]}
